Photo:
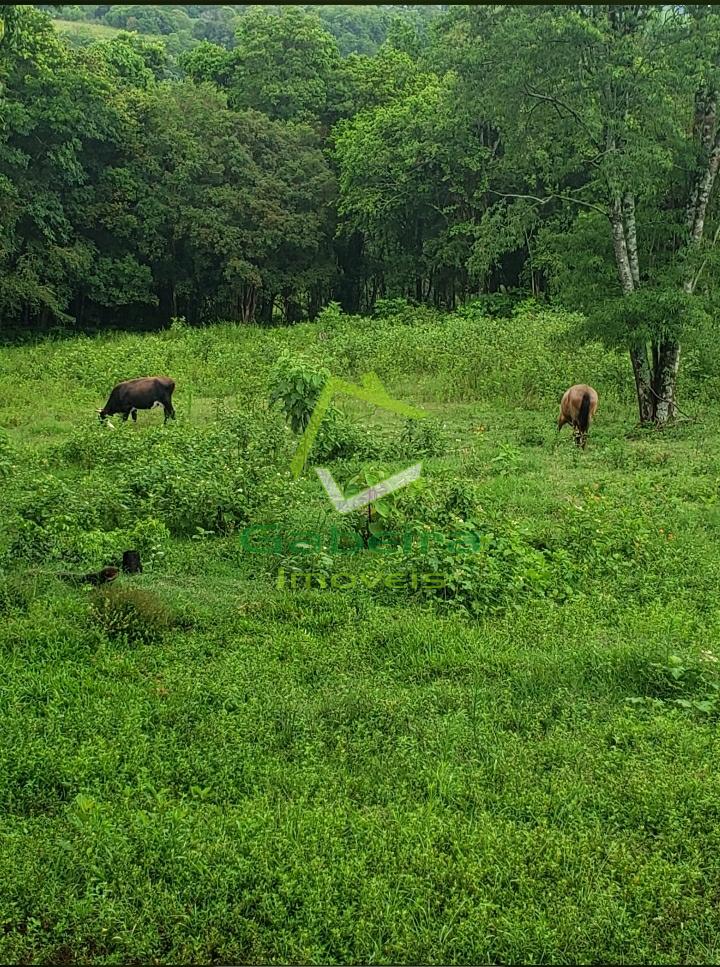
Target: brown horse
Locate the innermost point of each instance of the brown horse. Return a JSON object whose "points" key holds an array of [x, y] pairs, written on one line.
{"points": [[577, 408]]}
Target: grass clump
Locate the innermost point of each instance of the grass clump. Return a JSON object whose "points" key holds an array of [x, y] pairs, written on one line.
{"points": [[132, 615]]}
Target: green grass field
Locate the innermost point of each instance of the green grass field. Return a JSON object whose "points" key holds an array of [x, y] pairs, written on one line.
{"points": [[199, 766]]}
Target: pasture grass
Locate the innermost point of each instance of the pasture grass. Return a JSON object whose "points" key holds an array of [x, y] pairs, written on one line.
{"points": [[197, 766]]}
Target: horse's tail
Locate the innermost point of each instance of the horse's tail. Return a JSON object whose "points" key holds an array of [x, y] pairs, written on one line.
{"points": [[584, 414]]}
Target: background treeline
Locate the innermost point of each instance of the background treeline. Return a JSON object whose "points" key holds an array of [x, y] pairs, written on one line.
{"points": [[359, 29], [257, 163], [138, 184]]}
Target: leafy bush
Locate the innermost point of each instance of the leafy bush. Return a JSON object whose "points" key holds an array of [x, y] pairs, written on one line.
{"points": [[685, 683], [63, 540], [387, 308], [422, 438], [187, 477], [132, 615], [331, 315], [483, 569], [296, 386], [494, 305]]}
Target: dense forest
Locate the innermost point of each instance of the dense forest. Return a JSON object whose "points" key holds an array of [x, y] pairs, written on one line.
{"points": [[255, 164]]}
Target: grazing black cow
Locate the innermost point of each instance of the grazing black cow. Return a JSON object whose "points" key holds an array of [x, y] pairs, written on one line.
{"points": [[140, 394]]}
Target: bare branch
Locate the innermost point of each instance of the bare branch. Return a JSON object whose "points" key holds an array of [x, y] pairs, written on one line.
{"points": [[548, 198], [558, 105]]}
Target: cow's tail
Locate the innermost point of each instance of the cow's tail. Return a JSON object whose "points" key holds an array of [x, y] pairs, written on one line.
{"points": [[584, 414]]}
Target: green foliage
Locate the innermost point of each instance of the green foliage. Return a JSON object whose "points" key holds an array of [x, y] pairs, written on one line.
{"points": [[689, 685], [494, 305], [357, 29], [282, 64], [296, 386], [207, 62], [402, 205], [131, 615], [93, 201], [259, 163], [389, 308], [648, 314], [330, 316], [470, 356], [6, 455], [422, 438], [371, 521], [484, 569]]}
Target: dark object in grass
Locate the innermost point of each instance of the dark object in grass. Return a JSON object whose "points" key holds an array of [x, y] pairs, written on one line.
{"points": [[104, 576], [131, 563]]}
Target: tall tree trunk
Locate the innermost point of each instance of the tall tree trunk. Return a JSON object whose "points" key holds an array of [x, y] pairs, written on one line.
{"points": [[248, 295], [666, 380], [631, 237], [626, 261], [620, 248]]}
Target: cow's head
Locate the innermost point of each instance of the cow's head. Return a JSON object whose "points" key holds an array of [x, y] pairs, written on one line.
{"points": [[103, 414]]}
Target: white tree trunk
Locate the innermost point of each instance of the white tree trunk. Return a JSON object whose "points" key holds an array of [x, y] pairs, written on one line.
{"points": [[631, 236], [626, 260], [665, 381]]}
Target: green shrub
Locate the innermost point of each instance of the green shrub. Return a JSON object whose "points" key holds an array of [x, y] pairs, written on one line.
{"points": [[422, 438], [331, 315], [387, 308], [493, 305], [184, 476], [17, 592], [484, 569], [132, 615], [296, 385], [683, 682]]}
